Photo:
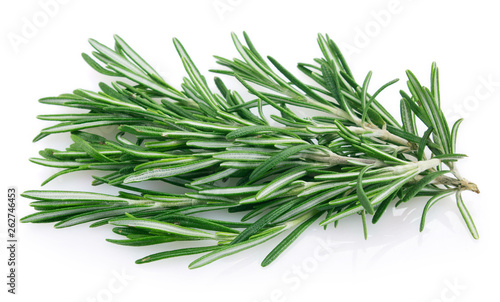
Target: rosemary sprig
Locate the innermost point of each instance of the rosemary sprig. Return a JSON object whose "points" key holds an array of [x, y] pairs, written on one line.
{"points": [[353, 157]]}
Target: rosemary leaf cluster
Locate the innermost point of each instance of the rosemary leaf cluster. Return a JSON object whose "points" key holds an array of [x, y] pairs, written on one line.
{"points": [[283, 171]]}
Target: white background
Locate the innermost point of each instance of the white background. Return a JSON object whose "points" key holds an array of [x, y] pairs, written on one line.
{"points": [[40, 56]]}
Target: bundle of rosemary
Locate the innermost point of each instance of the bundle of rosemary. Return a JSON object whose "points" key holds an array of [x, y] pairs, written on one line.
{"points": [[283, 171]]}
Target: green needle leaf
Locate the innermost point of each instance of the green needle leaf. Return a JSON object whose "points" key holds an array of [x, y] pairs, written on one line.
{"points": [[161, 226], [281, 181], [58, 214], [363, 199], [81, 143], [228, 250], [171, 171], [144, 240], [332, 82], [197, 222], [408, 118], [364, 91], [262, 222], [382, 207], [176, 253], [454, 134], [113, 56], [277, 158], [214, 177], [92, 63], [50, 195], [419, 185], [79, 125], [430, 203], [241, 156], [363, 219], [466, 215], [230, 191], [367, 108], [423, 143], [98, 214], [135, 57], [251, 130], [285, 243]]}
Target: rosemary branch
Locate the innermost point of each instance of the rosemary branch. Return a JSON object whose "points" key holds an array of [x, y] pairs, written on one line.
{"points": [[353, 157]]}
